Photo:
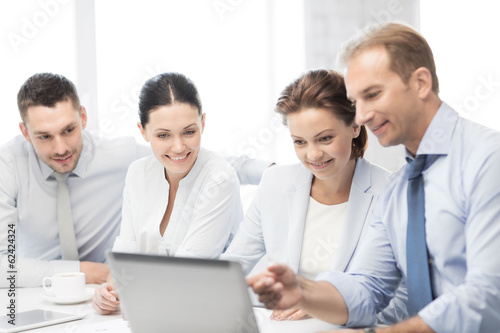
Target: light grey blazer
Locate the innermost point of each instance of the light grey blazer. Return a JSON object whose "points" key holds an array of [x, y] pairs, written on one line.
{"points": [[273, 227]]}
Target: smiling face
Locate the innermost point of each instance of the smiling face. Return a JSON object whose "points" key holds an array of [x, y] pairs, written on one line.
{"points": [[56, 134], [174, 132], [384, 103], [322, 142]]}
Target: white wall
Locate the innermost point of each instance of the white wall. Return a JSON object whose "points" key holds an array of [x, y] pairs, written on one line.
{"points": [[241, 54], [466, 49]]}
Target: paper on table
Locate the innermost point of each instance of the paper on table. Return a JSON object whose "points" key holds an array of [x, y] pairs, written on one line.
{"points": [[109, 326]]}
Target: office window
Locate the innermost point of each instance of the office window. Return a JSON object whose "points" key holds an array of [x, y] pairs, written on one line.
{"points": [[36, 36]]}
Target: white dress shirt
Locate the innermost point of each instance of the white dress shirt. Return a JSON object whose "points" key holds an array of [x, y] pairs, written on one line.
{"points": [[205, 216], [28, 199]]}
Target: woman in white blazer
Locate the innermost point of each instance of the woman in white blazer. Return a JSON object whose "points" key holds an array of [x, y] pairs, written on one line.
{"points": [[183, 200], [312, 216]]}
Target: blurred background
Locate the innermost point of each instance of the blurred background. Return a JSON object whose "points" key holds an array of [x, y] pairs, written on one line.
{"points": [[240, 54]]}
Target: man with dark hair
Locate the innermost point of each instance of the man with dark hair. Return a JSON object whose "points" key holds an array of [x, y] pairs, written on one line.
{"points": [[54, 144], [436, 225]]}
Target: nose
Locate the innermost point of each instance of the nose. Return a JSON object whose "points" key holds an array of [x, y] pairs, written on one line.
{"points": [[178, 145], [363, 115], [314, 153], [60, 147]]}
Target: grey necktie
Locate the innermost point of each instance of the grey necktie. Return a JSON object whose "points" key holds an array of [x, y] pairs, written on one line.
{"points": [[67, 239]]}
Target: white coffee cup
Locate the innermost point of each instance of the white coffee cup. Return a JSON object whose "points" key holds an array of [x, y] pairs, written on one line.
{"points": [[71, 284]]}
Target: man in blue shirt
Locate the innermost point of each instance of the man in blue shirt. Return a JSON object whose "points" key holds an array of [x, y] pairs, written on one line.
{"points": [[391, 77]]}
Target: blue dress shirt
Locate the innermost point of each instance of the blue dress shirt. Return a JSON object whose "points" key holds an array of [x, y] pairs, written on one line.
{"points": [[462, 211]]}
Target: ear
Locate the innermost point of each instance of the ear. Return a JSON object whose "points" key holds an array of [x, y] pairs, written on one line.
{"points": [[24, 130], [143, 132], [202, 122], [83, 116], [423, 79], [357, 130]]}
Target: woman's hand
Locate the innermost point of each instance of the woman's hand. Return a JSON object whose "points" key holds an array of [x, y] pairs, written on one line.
{"points": [[105, 300], [290, 314]]}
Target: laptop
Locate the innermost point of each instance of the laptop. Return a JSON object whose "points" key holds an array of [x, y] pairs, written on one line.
{"points": [[169, 294]]}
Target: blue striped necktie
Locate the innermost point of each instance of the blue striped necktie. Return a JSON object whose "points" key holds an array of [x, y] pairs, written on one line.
{"points": [[417, 259]]}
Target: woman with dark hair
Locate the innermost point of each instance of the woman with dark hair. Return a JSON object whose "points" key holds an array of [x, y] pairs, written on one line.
{"points": [[312, 216], [183, 200]]}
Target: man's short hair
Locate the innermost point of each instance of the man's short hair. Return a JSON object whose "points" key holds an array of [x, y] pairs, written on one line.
{"points": [[46, 89], [407, 49]]}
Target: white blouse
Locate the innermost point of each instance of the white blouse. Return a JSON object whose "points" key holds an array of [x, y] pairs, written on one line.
{"points": [[206, 213], [322, 236]]}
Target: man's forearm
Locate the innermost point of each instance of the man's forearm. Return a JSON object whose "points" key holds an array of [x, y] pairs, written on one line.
{"points": [[323, 301]]}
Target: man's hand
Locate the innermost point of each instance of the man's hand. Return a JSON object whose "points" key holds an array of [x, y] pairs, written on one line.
{"points": [[278, 287], [290, 314], [94, 272]]}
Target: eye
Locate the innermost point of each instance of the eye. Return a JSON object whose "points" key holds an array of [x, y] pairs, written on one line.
{"points": [[162, 136], [69, 130], [326, 138], [373, 94], [44, 137], [191, 132], [299, 142]]}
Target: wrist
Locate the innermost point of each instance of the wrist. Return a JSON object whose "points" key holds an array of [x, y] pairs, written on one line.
{"points": [[302, 298], [369, 330]]}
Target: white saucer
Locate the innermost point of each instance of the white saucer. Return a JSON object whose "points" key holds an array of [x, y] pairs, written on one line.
{"points": [[89, 292]]}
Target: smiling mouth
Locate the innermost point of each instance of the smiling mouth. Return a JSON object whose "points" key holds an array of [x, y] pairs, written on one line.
{"points": [[63, 160], [374, 129], [320, 164], [178, 158]]}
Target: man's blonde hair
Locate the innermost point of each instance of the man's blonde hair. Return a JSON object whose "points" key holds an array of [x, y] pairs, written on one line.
{"points": [[407, 49]]}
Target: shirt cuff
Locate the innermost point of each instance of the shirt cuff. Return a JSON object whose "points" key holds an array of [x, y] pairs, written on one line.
{"points": [[361, 310]]}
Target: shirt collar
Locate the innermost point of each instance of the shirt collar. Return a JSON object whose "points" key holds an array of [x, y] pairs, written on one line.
{"points": [[438, 136]]}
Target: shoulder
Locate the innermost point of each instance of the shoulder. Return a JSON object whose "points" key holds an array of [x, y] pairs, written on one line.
{"points": [[213, 167], [143, 170], [476, 137], [370, 175], [122, 148], [143, 165], [15, 149], [280, 176]]}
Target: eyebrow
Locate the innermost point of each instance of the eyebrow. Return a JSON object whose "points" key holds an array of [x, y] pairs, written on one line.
{"points": [[319, 134], [375, 86], [167, 130], [47, 133]]}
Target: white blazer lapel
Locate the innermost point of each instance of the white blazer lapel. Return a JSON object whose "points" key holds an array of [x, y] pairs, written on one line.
{"points": [[358, 214], [297, 202]]}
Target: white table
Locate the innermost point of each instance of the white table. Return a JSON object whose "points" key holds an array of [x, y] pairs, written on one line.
{"points": [[29, 299]]}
